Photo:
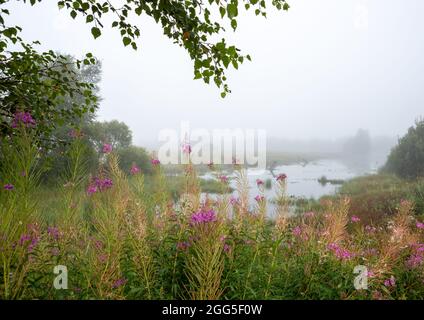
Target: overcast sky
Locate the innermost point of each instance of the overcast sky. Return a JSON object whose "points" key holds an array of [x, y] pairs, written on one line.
{"points": [[321, 70]]}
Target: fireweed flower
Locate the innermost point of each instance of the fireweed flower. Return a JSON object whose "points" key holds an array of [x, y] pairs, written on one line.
{"points": [[355, 219], [134, 169], [183, 245], [107, 148], [8, 186], [281, 177], [370, 252], [91, 189], [259, 198], [420, 225], [102, 258], [234, 201], [106, 183], [309, 214], [53, 232], [391, 282], [155, 162], [97, 243], [339, 252], [414, 261], [297, 231], [370, 229], [226, 248], [203, 216], [259, 182], [54, 251], [24, 239], [370, 274], [23, 118], [99, 184], [119, 283], [186, 148], [223, 178]]}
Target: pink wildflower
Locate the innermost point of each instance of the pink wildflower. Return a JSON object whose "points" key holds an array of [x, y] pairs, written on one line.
{"points": [[355, 219], [259, 182], [309, 214], [281, 177], [259, 198], [24, 118], [203, 216], [184, 245], [8, 187], [119, 283], [107, 148], [223, 178], [102, 258], [53, 232], [134, 169], [420, 225], [234, 201], [54, 251], [155, 162], [91, 189], [370, 229], [297, 231], [391, 282], [339, 252], [186, 148]]}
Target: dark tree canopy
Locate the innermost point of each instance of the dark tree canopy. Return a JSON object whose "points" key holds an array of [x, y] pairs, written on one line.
{"points": [[407, 158]]}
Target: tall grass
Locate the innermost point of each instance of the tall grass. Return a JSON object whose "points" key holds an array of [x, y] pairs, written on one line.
{"points": [[120, 240]]}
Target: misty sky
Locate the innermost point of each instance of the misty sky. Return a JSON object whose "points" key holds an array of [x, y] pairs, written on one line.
{"points": [[318, 71]]}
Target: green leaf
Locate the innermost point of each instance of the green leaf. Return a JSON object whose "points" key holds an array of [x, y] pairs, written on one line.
{"points": [[232, 10], [222, 11], [234, 24], [126, 41], [95, 32], [89, 18]]}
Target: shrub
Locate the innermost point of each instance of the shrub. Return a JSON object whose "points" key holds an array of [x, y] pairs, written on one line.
{"points": [[407, 158]]}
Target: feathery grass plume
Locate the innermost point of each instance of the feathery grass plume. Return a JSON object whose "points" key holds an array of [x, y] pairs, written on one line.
{"points": [[261, 201], [191, 185], [399, 238], [223, 205], [335, 220], [160, 195], [109, 216], [138, 224], [205, 260], [282, 204], [242, 188], [18, 209], [72, 180], [140, 253], [223, 202]]}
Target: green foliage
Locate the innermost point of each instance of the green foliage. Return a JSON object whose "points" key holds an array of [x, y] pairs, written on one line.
{"points": [[39, 83], [189, 24], [134, 155], [407, 159], [116, 133]]}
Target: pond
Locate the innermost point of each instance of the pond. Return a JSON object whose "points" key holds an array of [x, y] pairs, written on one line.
{"points": [[302, 179]]}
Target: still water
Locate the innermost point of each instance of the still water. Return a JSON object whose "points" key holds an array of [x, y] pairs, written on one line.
{"points": [[302, 179]]}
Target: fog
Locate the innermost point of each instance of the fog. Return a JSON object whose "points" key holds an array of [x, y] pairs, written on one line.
{"points": [[320, 71]]}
